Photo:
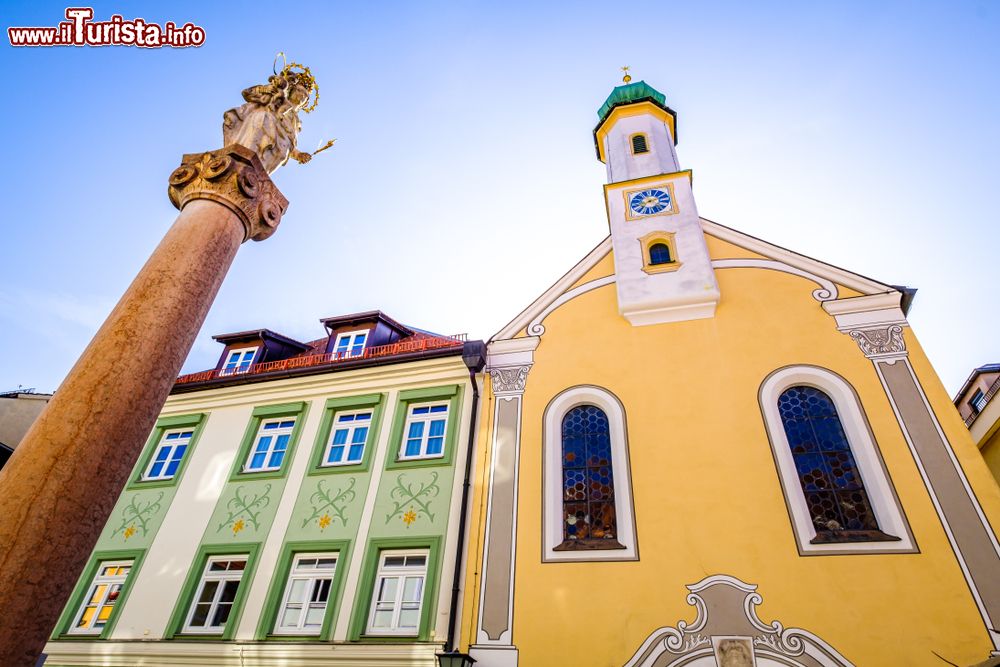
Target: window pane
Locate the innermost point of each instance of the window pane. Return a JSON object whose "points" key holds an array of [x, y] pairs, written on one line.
{"points": [[395, 561], [412, 447], [336, 455], [340, 436], [356, 452], [437, 428], [588, 480], [416, 430], [387, 590], [382, 619], [208, 591], [156, 469], [360, 435], [172, 468], [221, 615], [435, 445], [276, 459], [412, 589], [229, 591], [200, 616], [290, 618], [314, 617], [321, 590], [297, 591], [409, 618]]}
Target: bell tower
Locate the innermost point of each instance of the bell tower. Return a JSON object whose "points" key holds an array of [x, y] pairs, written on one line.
{"points": [[662, 267]]}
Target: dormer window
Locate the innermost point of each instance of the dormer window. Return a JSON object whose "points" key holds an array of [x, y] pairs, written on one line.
{"points": [[350, 344], [639, 144], [239, 361]]}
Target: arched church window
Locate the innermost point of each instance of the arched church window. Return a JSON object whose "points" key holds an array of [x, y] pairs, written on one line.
{"points": [[835, 494], [639, 144], [659, 253], [587, 510], [588, 483]]}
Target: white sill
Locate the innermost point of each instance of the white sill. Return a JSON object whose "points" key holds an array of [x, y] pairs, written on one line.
{"points": [[340, 464], [421, 458]]}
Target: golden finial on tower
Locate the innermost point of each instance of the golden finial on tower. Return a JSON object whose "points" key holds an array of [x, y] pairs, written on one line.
{"points": [[626, 78]]}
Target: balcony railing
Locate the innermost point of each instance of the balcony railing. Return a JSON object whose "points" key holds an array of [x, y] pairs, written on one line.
{"points": [[331, 358], [993, 390]]}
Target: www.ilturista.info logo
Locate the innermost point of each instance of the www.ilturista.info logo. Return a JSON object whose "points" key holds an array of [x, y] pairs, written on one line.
{"points": [[81, 30]]}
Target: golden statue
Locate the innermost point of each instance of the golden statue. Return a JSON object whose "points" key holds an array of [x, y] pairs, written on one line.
{"points": [[268, 123]]}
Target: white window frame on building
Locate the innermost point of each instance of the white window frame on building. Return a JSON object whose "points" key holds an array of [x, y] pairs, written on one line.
{"points": [[552, 476], [166, 454], [350, 424], [308, 588], [239, 361], [350, 344], [102, 595], [424, 415], [871, 468], [285, 428], [221, 578], [403, 567]]}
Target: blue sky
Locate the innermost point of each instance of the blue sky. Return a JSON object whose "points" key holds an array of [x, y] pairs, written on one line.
{"points": [[464, 180]]}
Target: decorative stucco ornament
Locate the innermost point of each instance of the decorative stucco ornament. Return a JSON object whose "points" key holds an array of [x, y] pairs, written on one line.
{"points": [[268, 123]]}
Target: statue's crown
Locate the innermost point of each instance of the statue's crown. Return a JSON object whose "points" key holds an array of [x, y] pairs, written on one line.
{"points": [[304, 76]]}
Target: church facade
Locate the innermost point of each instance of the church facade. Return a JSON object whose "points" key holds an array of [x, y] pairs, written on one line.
{"points": [[696, 448], [700, 448]]}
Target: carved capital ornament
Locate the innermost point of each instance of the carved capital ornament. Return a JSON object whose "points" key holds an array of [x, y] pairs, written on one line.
{"points": [[509, 380], [234, 177], [882, 342]]}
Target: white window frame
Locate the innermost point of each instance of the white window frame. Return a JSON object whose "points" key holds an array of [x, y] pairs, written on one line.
{"points": [[100, 579], [402, 573], [171, 446], [552, 476], [222, 577], [351, 337], [351, 428], [239, 354], [426, 435], [287, 430], [871, 467], [310, 575]]}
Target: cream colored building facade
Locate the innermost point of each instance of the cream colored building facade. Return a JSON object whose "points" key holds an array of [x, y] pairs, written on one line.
{"points": [[976, 405], [700, 448]]}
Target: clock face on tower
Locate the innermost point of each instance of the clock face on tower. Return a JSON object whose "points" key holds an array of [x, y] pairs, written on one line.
{"points": [[650, 202]]}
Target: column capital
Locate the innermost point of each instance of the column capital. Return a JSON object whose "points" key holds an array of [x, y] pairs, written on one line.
{"points": [[234, 177], [509, 380], [880, 342]]}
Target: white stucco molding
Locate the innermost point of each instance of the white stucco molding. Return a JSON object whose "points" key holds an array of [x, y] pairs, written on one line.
{"points": [[875, 323], [827, 288], [508, 363], [829, 272], [727, 630]]}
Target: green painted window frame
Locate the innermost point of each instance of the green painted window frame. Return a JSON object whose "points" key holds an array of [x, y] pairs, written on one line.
{"points": [[195, 421], [299, 410], [366, 585], [276, 589], [376, 402], [175, 628], [61, 631], [451, 393]]}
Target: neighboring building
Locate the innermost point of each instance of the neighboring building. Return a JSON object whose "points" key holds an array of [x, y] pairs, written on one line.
{"points": [[18, 411], [701, 448], [975, 402], [295, 495]]}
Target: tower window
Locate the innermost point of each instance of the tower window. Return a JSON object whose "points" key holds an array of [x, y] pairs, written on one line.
{"points": [[659, 253], [639, 144]]}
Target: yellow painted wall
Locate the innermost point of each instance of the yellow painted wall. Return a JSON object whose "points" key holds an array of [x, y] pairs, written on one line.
{"points": [[706, 493], [991, 454]]}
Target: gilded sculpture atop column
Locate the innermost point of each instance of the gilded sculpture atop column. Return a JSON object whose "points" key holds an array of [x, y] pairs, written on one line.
{"points": [[268, 123]]}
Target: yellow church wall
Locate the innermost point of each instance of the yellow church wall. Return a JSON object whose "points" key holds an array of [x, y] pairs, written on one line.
{"points": [[706, 494]]}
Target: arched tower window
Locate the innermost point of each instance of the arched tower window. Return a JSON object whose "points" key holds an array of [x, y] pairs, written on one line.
{"points": [[835, 494], [588, 483], [639, 144], [659, 253], [836, 485]]}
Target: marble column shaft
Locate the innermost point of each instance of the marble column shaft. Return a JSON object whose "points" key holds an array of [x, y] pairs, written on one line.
{"points": [[63, 480]]}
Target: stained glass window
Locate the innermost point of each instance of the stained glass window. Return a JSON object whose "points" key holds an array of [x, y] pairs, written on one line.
{"points": [[659, 253], [588, 484], [831, 482]]}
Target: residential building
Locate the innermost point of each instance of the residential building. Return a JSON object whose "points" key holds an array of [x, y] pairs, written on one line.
{"points": [[701, 448], [976, 404], [18, 411], [300, 503]]}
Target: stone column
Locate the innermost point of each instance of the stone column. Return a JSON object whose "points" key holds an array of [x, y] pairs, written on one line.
{"points": [[57, 490], [509, 362], [876, 324]]}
